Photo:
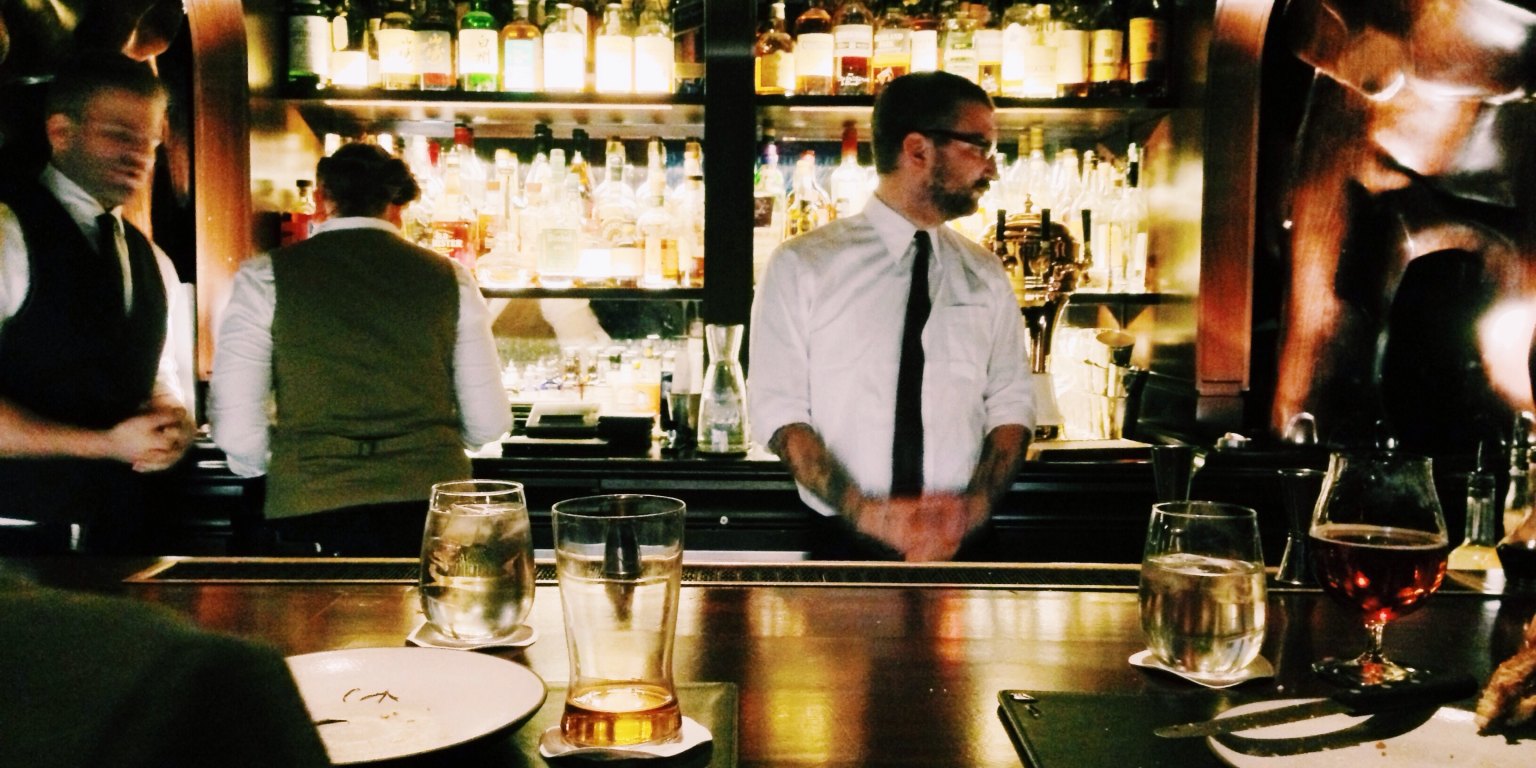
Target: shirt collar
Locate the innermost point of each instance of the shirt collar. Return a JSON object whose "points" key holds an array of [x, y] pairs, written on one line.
{"points": [[82, 207], [355, 222], [894, 229]]}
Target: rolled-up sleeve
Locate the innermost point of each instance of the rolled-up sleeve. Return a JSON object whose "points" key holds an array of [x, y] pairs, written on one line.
{"points": [[484, 414], [778, 390], [240, 391], [1010, 392]]}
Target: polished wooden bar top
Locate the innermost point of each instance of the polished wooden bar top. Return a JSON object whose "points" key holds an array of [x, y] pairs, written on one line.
{"points": [[859, 675]]}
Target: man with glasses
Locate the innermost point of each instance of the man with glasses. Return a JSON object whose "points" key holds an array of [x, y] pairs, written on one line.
{"points": [[87, 383], [888, 368]]}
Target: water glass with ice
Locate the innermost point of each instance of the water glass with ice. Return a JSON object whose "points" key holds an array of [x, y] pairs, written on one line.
{"points": [[477, 560], [1202, 587]]}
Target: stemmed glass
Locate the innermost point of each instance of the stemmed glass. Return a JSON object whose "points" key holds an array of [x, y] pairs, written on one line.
{"points": [[1379, 546]]}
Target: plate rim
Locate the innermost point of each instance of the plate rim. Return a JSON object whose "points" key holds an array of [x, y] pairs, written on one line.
{"points": [[473, 658]]}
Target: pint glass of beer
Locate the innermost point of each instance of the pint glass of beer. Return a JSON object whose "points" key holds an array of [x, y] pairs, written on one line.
{"points": [[619, 560]]}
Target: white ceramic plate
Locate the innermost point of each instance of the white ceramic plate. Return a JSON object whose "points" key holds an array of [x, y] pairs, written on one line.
{"points": [[383, 703], [1447, 738]]}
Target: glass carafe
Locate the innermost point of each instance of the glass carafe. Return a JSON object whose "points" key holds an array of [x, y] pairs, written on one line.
{"points": [[723, 404]]}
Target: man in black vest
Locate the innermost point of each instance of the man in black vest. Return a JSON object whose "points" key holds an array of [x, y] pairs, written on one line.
{"points": [[86, 399]]}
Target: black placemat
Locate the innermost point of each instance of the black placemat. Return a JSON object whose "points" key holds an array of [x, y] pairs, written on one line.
{"points": [[1063, 729]]}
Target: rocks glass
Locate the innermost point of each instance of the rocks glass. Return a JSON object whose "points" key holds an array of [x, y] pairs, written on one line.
{"points": [[477, 560]]}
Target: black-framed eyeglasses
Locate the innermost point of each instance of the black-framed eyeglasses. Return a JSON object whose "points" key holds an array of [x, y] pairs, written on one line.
{"points": [[987, 146]]}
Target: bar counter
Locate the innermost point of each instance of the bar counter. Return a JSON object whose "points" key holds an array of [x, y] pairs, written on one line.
{"points": [[861, 675]]}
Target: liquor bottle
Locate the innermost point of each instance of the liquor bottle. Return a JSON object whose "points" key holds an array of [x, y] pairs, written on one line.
{"points": [[295, 222], [372, 14], [655, 60], [1106, 59], [1039, 55], [522, 52], [348, 65], [815, 72], [451, 227], [434, 45], [1476, 551], [655, 224], [309, 44], [509, 200], [853, 42], [989, 52], [1147, 46], [1073, 36], [1131, 215], [614, 53], [925, 26], [565, 53], [808, 205], [773, 56], [688, 216], [1064, 181], [1522, 462], [558, 248], [1015, 28], [767, 209], [398, 67], [479, 48], [578, 181], [614, 214], [958, 43], [846, 184], [892, 57], [476, 180]]}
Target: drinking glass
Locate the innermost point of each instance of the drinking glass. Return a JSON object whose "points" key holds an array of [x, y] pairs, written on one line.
{"points": [[477, 560], [1379, 546], [1203, 598], [620, 563]]}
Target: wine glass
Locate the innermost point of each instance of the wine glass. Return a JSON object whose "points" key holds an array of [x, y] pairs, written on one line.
{"points": [[1379, 546]]}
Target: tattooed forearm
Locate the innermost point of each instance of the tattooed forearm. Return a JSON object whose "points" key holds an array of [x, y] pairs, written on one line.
{"points": [[1001, 455], [814, 467]]}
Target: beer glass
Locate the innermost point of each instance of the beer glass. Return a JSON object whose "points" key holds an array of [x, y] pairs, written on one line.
{"points": [[1379, 547], [477, 560], [1202, 587], [619, 560]]}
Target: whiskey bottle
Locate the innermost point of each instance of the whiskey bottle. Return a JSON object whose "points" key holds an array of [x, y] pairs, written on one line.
{"points": [[1147, 47], [522, 52], [613, 60], [815, 72], [309, 44], [655, 60], [479, 45], [892, 56], [434, 45], [853, 42], [565, 53], [773, 56]]}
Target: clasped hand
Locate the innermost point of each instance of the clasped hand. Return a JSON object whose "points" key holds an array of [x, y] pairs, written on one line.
{"points": [[154, 439], [922, 528]]}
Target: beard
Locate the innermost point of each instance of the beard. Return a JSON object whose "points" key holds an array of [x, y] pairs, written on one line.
{"points": [[954, 200]]}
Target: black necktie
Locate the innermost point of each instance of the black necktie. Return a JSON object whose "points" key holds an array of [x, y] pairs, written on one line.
{"points": [[106, 245], [907, 441]]}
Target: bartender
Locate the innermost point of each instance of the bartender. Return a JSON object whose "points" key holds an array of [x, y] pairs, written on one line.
{"points": [[377, 359], [888, 369]]}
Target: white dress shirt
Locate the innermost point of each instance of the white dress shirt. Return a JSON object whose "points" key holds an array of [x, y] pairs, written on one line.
{"points": [[826, 344], [16, 270], [240, 396]]}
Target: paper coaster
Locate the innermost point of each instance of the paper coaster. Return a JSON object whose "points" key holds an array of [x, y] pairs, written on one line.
{"points": [[427, 636], [552, 745], [1259, 667]]}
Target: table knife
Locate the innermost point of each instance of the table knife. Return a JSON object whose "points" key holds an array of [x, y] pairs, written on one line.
{"points": [[1365, 700]]}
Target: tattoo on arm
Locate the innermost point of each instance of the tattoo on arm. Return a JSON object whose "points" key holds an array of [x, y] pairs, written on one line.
{"points": [[1002, 453], [814, 467]]}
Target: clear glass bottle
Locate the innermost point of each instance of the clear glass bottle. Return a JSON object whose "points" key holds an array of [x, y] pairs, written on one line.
{"points": [[925, 24], [479, 49], [853, 43], [1015, 28], [989, 51], [655, 224], [559, 252], [398, 67], [434, 45], [892, 57], [688, 216], [309, 44], [565, 53], [773, 56], [723, 426], [808, 205], [1039, 55], [768, 208], [1073, 35], [1476, 551], [846, 184], [815, 69], [614, 53], [522, 52], [1522, 468], [958, 44], [615, 212], [655, 59]]}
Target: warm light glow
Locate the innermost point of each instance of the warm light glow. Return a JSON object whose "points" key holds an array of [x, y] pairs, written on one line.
{"points": [[349, 69], [1504, 341]]}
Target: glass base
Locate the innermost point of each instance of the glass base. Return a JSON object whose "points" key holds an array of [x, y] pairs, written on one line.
{"points": [[1364, 670]]}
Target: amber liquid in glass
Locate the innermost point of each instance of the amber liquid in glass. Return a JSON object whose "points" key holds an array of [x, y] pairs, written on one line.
{"points": [[1383, 572], [621, 715]]}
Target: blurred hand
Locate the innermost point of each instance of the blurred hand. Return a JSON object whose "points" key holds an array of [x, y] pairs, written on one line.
{"points": [[922, 528], [153, 440]]}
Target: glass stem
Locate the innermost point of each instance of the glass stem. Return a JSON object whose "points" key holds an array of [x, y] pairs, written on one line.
{"points": [[1373, 651]]}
